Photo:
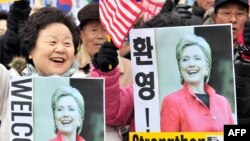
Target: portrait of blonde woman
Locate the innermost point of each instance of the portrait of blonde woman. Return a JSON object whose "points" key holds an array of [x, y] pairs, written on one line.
{"points": [[68, 112], [196, 107], [68, 109]]}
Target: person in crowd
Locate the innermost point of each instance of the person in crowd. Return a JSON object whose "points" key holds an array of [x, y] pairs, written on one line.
{"points": [[68, 111], [195, 14], [236, 12], [93, 35], [199, 9], [3, 22], [171, 12], [9, 42], [231, 11], [196, 98], [50, 46], [119, 103], [49, 41]]}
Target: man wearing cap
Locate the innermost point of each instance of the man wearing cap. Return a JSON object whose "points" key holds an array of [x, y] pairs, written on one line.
{"points": [[236, 12], [231, 11], [93, 35]]}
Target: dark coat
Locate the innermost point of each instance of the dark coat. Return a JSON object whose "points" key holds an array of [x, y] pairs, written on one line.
{"points": [[9, 42], [242, 78], [197, 15]]}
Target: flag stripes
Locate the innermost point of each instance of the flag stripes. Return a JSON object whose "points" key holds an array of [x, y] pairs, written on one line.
{"points": [[118, 17]]}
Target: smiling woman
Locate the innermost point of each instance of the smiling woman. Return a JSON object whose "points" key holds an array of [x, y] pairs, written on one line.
{"points": [[54, 51], [49, 42], [196, 107], [68, 111]]}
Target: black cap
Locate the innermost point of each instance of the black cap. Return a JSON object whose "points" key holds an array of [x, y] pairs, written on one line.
{"points": [[218, 3], [88, 12]]}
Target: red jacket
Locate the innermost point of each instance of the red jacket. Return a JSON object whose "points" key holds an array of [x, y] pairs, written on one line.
{"points": [[119, 101], [183, 111], [59, 138]]}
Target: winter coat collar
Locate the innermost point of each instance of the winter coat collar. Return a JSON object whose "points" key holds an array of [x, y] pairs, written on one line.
{"points": [[31, 71]]}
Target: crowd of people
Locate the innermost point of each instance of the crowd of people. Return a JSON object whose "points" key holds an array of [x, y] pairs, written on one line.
{"points": [[49, 43]]}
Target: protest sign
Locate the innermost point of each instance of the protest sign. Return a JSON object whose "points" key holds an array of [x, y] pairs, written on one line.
{"points": [[156, 72], [41, 108]]}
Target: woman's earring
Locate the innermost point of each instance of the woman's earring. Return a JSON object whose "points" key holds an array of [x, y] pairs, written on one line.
{"points": [[30, 57]]}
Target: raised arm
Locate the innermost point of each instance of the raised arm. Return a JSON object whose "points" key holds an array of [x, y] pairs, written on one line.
{"points": [[119, 103], [19, 12]]}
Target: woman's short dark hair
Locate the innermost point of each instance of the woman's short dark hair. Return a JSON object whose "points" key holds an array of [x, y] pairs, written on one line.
{"points": [[4, 15], [39, 21]]}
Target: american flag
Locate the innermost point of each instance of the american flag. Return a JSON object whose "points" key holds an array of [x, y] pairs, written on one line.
{"points": [[118, 17]]}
